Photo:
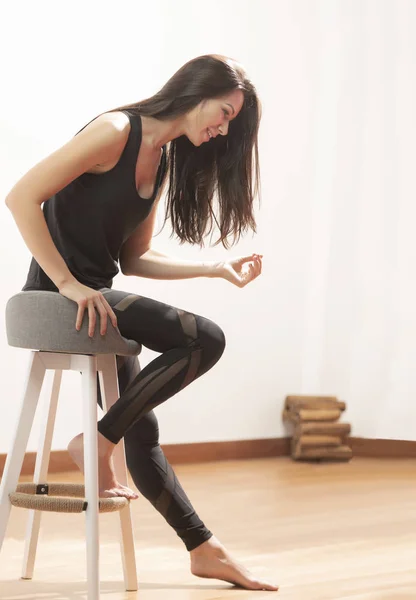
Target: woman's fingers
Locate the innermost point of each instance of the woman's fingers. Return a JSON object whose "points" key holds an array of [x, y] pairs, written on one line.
{"points": [[246, 274], [240, 260], [80, 314], [104, 309], [90, 300], [258, 265], [103, 316], [248, 271], [252, 270], [110, 311], [91, 317]]}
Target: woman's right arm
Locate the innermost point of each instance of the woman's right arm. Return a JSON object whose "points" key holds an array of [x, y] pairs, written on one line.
{"points": [[98, 143]]}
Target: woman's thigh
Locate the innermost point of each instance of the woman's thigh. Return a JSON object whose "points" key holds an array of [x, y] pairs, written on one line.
{"points": [[161, 327]]}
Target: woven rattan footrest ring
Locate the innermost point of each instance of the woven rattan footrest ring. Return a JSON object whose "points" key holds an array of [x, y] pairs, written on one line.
{"points": [[59, 497]]}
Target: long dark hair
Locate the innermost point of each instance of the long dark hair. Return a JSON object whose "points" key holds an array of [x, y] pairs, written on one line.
{"points": [[225, 170]]}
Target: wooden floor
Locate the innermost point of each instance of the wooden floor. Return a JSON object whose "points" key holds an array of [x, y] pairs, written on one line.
{"points": [[322, 531]]}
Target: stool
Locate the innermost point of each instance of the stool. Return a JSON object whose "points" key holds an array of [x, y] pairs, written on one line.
{"points": [[45, 323]]}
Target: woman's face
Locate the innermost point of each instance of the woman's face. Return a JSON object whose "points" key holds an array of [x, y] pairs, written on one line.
{"points": [[211, 117]]}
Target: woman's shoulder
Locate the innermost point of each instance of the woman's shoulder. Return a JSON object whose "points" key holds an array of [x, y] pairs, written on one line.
{"points": [[119, 120], [110, 129]]}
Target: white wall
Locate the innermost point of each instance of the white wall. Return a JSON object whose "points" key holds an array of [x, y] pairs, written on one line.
{"points": [[334, 311]]}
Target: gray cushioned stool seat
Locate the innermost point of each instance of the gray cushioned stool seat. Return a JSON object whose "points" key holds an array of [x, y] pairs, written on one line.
{"points": [[41, 320]]}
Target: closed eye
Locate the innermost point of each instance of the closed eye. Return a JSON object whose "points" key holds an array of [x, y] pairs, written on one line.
{"points": [[225, 111]]}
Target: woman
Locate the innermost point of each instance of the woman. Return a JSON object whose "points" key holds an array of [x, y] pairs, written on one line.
{"points": [[99, 194]]}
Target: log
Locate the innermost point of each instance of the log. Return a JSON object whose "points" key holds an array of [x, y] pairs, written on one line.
{"points": [[328, 428], [339, 452], [316, 415], [313, 416], [313, 402], [307, 441]]}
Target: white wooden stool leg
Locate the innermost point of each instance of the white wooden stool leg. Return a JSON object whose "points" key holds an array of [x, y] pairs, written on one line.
{"points": [[107, 368], [89, 393], [41, 472], [14, 462]]}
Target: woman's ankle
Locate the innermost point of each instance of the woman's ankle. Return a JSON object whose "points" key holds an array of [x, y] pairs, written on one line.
{"points": [[105, 447], [208, 546]]}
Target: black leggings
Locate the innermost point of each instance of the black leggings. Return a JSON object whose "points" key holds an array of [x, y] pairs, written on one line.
{"points": [[189, 345]]}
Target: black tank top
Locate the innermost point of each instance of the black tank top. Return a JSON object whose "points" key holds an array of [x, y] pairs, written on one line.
{"points": [[91, 218]]}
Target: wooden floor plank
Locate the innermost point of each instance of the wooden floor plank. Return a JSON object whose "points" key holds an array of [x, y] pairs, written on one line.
{"points": [[340, 531]]}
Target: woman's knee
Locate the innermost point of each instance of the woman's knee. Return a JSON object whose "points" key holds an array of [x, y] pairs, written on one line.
{"points": [[211, 338]]}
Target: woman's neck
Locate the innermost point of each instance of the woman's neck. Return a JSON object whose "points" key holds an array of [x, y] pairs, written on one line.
{"points": [[157, 133]]}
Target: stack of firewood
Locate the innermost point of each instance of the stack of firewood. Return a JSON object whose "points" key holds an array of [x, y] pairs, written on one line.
{"points": [[317, 434]]}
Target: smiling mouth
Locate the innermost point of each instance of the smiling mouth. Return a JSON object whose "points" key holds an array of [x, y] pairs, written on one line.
{"points": [[209, 134]]}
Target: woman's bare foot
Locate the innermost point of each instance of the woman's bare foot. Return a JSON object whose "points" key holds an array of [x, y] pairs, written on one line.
{"points": [[211, 559], [108, 486]]}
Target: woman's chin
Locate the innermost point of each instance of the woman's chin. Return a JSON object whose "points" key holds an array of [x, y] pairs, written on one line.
{"points": [[195, 142], [202, 139]]}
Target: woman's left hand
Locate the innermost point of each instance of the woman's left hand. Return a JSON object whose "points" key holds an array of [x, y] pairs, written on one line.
{"points": [[240, 271]]}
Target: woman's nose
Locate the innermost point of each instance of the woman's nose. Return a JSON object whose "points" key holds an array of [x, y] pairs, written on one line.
{"points": [[223, 129]]}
